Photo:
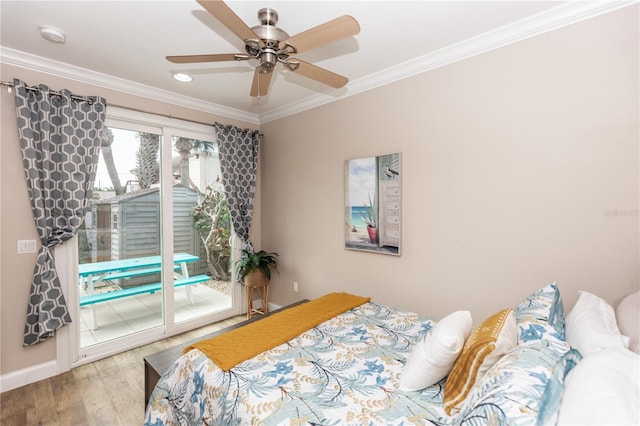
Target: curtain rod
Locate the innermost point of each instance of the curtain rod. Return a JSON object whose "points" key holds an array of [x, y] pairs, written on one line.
{"points": [[82, 98], [161, 115], [173, 117], [51, 93]]}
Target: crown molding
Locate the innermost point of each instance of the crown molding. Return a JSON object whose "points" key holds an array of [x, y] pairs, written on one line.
{"points": [[543, 22], [552, 19], [64, 70]]}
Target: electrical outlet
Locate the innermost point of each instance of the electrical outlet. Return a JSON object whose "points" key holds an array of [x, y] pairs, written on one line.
{"points": [[26, 246], [295, 286]]}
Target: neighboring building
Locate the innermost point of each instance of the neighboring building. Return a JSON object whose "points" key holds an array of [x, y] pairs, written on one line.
{"points": [[128, 226]]}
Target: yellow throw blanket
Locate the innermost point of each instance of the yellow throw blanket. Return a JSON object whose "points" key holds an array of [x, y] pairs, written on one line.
{"points": [[233, 347]]}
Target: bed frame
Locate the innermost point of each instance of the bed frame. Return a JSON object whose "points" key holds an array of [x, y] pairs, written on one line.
{"points": [[156, 364]]}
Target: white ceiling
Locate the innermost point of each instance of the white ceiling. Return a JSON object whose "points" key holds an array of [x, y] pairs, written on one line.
{"points": [[130, 39]]}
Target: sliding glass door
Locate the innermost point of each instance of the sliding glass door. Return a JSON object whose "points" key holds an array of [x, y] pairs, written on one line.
{"points": [[119, 247], [201, 228], [155, 252]]}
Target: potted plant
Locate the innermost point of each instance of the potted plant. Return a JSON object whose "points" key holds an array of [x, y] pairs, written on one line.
{"points": [[370, 220], [254, 267]]}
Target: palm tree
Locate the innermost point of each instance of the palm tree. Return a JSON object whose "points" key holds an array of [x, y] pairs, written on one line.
{"points": [[107, 156], [147, 166], [184, 147]]}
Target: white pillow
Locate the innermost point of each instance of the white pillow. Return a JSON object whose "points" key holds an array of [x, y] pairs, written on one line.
{"points": [[627, 314], [603, 389], [591, 326], [433, 356]]}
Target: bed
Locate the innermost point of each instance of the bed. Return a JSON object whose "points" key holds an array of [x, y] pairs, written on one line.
{"points": [[373, 364]]}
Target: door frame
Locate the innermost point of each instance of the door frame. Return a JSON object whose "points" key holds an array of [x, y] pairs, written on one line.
{"points": [[68, 338]]}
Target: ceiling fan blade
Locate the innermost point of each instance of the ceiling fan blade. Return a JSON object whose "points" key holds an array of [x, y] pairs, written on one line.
{"points": [[224, 14], [261, 82], [319, 74], [222, 57], [334, 30]]}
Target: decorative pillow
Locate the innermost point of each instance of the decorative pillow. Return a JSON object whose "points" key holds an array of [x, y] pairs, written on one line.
{"points": [[433, 356], [627, 314], [603, 389], [513, 391], [524, 385], [550, 401], [591, 326], [541, 316], [496, 336]]}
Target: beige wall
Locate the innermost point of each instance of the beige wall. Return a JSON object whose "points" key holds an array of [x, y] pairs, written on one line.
{"points": [[515, 163], [16, 222], [520, 168]]}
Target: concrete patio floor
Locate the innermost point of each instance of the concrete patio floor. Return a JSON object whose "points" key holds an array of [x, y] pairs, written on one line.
{"points": [[121, 317]]}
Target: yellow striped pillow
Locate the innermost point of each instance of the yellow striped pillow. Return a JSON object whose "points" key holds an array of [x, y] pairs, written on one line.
{"points": [[496, 336]]}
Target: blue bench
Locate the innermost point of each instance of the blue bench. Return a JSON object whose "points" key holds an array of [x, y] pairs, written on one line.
{"points": [[136, 273], [137, 290]]}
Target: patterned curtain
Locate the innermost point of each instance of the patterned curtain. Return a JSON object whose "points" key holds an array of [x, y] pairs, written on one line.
{"points": [[239, 163], [60, 142]]}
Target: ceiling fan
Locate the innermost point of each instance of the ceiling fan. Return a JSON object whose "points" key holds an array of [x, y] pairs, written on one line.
{"points": [[270, 45]]}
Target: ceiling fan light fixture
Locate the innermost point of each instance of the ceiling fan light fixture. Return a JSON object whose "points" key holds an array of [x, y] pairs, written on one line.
{"points": [[182, 77], [268, 59]]}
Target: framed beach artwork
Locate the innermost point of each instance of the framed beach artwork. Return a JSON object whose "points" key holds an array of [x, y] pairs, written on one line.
{"points": [[373, 204]]}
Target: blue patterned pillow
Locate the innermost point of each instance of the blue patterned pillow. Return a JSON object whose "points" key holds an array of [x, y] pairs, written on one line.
{"points": [[513, 390], [541, 316], [520, 387], [548, 413]]}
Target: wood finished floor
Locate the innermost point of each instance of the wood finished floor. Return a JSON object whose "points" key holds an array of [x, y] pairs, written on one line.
{"points": [[108, 392]]}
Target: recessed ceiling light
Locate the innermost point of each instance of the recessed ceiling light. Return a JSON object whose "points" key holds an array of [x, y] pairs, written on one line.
{"points": [[180, 76], [52, 34]]}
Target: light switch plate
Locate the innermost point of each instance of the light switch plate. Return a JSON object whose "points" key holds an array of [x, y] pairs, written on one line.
{"points": [[26, 246]]}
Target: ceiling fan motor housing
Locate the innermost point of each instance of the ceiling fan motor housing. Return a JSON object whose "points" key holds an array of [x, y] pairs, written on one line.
{"points": [[271, 36]]}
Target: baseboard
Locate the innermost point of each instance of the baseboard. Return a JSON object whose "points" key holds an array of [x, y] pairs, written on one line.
{"points": [[26, 376], [33, 374], [273, 307], [257, 304]]}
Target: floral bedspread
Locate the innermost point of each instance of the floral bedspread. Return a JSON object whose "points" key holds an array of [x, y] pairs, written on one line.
{"points": [[344, 371]]}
